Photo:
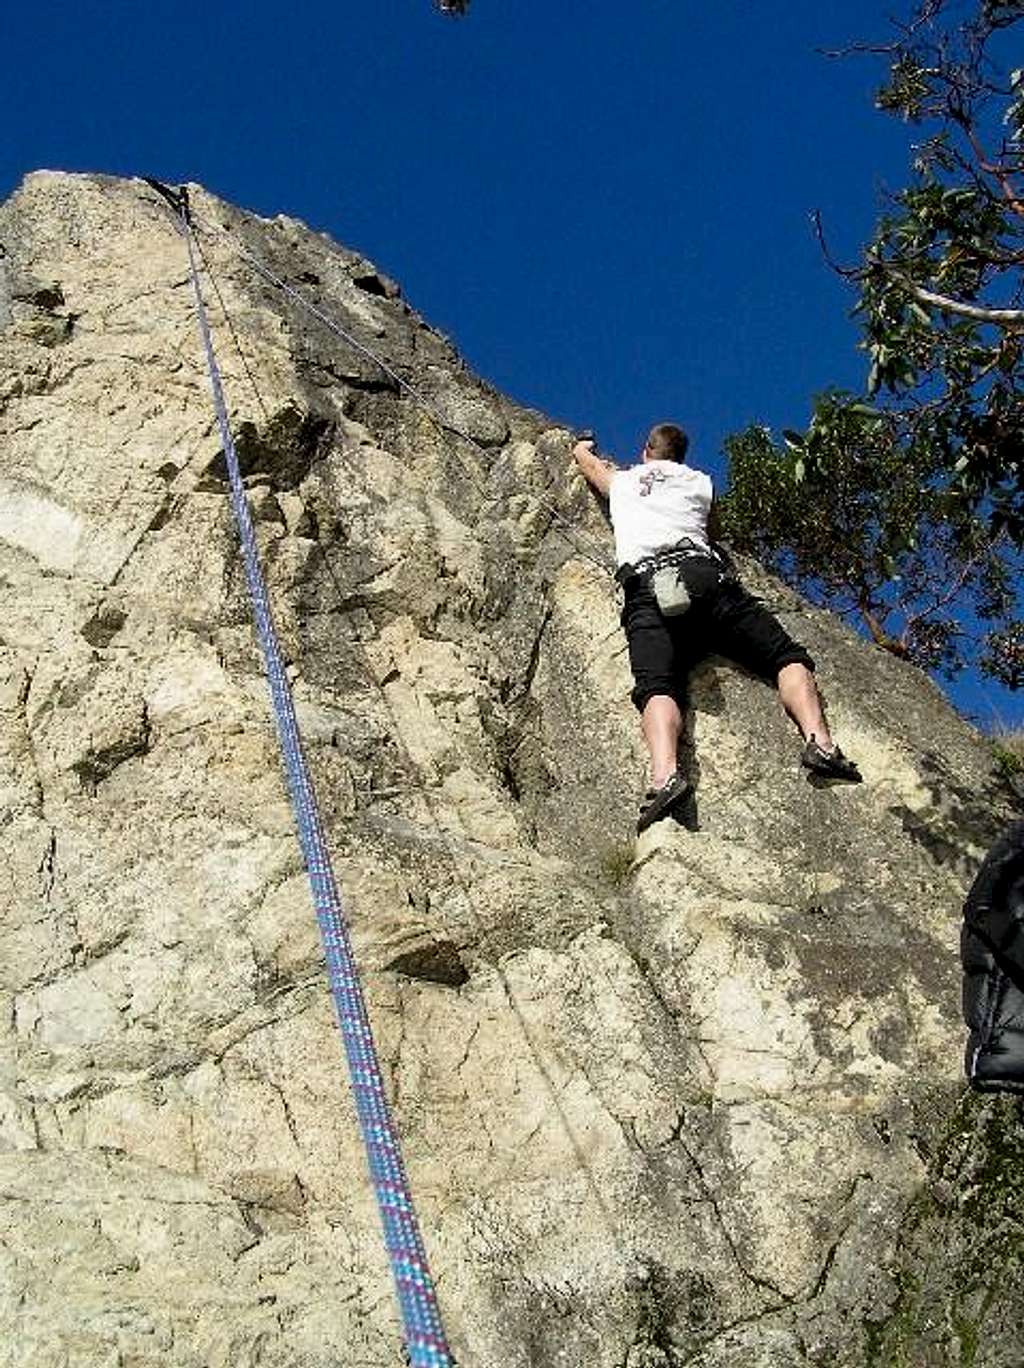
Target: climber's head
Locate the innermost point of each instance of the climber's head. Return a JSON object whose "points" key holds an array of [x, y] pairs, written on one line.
{"points": [[666, 442]]}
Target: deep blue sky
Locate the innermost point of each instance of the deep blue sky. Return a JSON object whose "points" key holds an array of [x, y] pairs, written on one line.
{"points": [[605, 205]]}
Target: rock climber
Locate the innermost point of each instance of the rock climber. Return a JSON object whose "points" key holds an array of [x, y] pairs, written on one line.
{"points": [[683, 602]]}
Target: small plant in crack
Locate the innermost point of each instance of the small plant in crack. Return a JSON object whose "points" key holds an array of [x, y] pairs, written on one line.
{"points": [[616, 862]]}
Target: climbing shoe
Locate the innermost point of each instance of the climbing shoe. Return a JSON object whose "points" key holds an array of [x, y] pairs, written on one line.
{"points": [[831, 764], [658, 802]]}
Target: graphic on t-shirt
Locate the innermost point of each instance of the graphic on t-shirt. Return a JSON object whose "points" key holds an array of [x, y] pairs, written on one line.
{"points": [[648, 479]]}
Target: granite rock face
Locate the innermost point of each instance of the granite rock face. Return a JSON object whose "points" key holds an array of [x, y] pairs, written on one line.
{"points": [[694, 1100]]}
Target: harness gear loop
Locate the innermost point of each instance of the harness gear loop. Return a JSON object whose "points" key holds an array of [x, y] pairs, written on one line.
{"points": [[425, 1340]]}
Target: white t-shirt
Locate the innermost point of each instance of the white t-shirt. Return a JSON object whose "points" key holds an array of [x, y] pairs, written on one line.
{"points": [[654, 504]]}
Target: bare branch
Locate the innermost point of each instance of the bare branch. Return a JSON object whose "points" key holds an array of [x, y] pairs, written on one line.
{"points": [[1001, 318], [847, 272], [985, 162], [860, 49], [944, 600], [927, 12]]}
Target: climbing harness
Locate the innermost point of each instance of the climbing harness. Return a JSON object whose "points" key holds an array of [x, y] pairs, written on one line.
{"points": [[680, 576], [425, 1341]]}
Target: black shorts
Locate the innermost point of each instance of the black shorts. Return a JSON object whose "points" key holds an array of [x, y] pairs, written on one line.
{"points": [[730, 622]]}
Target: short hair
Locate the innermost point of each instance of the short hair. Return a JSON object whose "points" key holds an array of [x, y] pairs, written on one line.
{"points": [[667, 442]]}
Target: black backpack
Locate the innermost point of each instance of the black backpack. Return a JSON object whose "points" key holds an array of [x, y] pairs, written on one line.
{"points": [[992, 954]]}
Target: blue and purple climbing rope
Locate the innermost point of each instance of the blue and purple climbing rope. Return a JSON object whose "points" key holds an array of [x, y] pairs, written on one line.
{"points": [[425, 1339]]}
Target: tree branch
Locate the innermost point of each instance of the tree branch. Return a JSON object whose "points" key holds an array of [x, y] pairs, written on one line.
{"points": [[928, 11], [874, 616], [991, 168], [958, 584], [847, 272], [1001, 318], [1004, 260]]}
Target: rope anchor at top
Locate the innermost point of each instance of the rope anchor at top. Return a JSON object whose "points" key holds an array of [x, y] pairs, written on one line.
{"points": [[566, 529], [177, 199]]}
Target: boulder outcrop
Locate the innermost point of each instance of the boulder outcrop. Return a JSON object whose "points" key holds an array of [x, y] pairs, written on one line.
{"points": [[693, 1100]]}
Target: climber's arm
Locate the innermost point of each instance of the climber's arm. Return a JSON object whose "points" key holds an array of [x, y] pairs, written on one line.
{"points": [[714, 522], [596, 472]]}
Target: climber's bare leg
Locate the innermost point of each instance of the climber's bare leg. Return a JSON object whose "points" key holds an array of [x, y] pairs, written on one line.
{"points": [[662, 722], [800, 698]]}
